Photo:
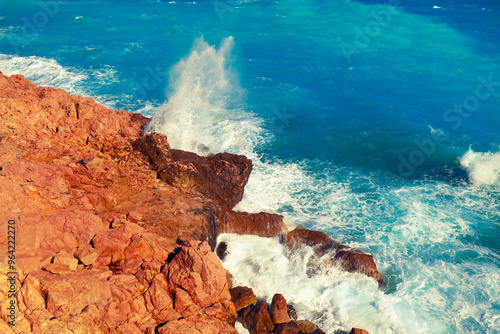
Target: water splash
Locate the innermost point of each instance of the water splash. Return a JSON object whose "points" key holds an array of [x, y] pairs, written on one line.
{"points": [[205, 112], [483, 168]]}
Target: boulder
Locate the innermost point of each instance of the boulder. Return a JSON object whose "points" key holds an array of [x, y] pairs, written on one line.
{"points": [[328, 253], [262, 224], [256, 319], [197, 325], [279, 312], [242, 297], [287, 328], [221, 177], [306, 326], [358, 331]]}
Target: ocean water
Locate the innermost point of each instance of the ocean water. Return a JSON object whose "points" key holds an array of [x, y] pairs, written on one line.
{"points": [[377, 122]]}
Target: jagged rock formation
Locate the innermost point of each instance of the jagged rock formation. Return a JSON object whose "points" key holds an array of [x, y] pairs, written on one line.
{"points": [[115, 230]]}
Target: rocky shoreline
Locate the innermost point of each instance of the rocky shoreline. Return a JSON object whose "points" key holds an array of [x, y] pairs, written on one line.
{"points": [[115, 231]]}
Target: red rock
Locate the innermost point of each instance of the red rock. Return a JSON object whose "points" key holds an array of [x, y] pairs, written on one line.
{"points": [[242, 297], [86, 254], [5, 328], [79, 180], [262, 224], [81, 288], [197, 325], [198, 271], [257, 319], [358, 331], [221, 177], [279, 312], [328, 253], [287, 328], [306, 326]]}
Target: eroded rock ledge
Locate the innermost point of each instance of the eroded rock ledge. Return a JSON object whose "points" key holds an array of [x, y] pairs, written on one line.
{"points": [[115, 231]]}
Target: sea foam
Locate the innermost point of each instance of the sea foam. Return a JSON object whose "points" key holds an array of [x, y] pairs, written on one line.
{"points": [[483, 167]]}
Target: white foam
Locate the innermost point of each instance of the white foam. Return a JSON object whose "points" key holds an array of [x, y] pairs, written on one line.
{"points": [[240, 329], [204, 112], [483, 167], [337, 301], [48, 72]]}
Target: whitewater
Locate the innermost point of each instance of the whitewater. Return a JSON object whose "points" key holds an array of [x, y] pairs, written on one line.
{"points": [[358, 147]]}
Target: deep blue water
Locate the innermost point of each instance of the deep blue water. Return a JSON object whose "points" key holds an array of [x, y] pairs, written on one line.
{"points": [[376, 122]]}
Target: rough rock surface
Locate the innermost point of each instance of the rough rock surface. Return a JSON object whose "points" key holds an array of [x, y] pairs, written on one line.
{"points": [[328, 252], [242, 297], [279, 312], [256, 319], [221, 177], [98, 235], [262, 224]]}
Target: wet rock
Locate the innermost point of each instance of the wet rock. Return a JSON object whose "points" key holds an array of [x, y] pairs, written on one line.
{"points": [[257, 320], [306, 326], [287, 328], [262, 224], [279, 312], [242, 297], [197, 325], [328, 253], [221, 250], [358, 331]]}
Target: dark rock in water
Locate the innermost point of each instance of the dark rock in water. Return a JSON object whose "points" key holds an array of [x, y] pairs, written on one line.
{"points": [[287, 328], [358, 331], [262, 224], [291, 312], [279, 312], [242, 297], [221, 250], [328, 252], [221, 177], [257, 319], [306, 326]]}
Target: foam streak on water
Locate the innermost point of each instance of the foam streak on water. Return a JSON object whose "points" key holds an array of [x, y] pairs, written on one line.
{"points": [[48, 72]]}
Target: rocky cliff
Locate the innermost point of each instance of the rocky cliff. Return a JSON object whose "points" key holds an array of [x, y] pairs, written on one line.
{"points": [[104, 230]]}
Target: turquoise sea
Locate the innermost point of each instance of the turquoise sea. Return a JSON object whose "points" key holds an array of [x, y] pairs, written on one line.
{"points": [[377, 122]]}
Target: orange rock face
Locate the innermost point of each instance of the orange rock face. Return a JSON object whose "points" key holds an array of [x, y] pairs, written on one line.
{"points": [[104, 242]]}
